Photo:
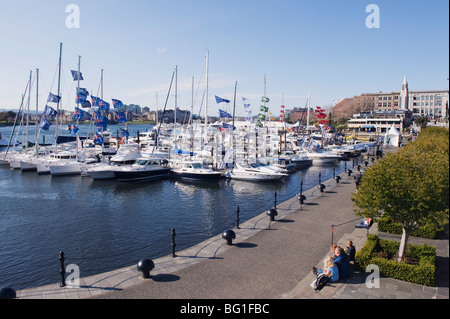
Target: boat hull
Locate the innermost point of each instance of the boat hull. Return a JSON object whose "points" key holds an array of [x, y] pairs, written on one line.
{"points": [[138, 175], [197, 176], [65, 169]]}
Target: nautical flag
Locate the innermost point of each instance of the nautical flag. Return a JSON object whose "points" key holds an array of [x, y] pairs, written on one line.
{"points": [[320, 113], [87, 116], [248, 112], [220, 100], [49, 111], [117, 103], [44, 125], [104, 106], [102, 121], [78, 114], [259, 124], [263, 108], [265, 99], [73, 129], [82, 95], [98, 139], [224, 114], [228, 126], [124, 133], [325, 136], [261, 117], [77, 75], [95, 100], [53, 98], [121, 117]]}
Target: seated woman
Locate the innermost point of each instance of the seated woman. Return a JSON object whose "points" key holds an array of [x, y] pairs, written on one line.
{"points": [[329, 268]]}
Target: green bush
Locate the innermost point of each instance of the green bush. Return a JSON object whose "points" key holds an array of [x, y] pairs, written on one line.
{"points": [[379, 252]]}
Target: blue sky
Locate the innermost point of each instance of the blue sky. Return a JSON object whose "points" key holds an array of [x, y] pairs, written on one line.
{"points": [[296, 44]]}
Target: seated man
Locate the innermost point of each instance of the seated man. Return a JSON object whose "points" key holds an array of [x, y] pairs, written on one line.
{"points": [[342, 261]]}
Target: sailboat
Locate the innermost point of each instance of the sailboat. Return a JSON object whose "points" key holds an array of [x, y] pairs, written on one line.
{"points": [[252, 172]]}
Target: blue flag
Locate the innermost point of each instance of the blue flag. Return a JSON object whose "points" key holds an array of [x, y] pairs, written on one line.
{"points": [[117, 103], [44, 125], [228, 126], [98, 139], [49, 111], [73, 129], [77, 75], [53, 98], [220, 100], [121, 117], [224, 114], [95, 101], [104, 106], [78, 114], [124, 133]]}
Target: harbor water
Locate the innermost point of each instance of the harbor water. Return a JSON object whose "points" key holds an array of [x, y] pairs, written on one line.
{"points": [[105, 225]]}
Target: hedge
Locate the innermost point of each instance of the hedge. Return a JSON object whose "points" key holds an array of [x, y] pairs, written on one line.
{"points": [[423, 273]]}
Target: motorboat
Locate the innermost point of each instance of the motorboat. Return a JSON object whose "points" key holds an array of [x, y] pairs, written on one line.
{"points": [[252, 173], [126, 155], [195, 170], [319, 156], [144, 168]]}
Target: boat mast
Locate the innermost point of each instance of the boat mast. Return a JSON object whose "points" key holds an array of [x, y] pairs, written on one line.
{"points": [[59, 93], [307, 116], [28, 111], [206, 98], [37, 107]]}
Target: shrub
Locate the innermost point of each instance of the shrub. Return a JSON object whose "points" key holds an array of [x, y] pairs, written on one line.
{"points": [[375, 250]]}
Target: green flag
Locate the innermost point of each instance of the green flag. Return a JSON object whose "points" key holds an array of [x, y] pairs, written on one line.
{"points": [[259, 124], [265, 99], [261, 117], [264, 108]]}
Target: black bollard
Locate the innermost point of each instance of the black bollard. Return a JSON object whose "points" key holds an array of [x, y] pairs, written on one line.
{"points": [[7, 293], [337, 178], [145, 266], [237, 218], [173, 243], [229, 235], [349, 172], [302, 199], [272, 213], [62, 270], [321, 187]]}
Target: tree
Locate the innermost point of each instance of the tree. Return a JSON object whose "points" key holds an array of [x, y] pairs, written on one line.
{"points": [[411, 186]]}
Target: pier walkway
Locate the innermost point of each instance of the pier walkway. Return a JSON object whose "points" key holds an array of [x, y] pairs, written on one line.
{"points": [[267, 260]]}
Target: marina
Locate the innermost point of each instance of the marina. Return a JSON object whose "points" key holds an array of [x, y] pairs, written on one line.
{"points": [[103, 225]]}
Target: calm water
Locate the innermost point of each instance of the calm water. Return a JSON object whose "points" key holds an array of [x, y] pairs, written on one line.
{"points": [[104, 225]]}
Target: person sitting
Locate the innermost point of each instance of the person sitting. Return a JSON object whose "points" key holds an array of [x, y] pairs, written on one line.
{"points": [[342, 262], [365, 224], [329, 268], [350, 251]]}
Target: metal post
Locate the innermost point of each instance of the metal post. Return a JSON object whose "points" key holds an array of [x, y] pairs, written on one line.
{"points": [[173, 243], [237, 218], [332, 234], [62, 270], [320, 178], [275, 201]]}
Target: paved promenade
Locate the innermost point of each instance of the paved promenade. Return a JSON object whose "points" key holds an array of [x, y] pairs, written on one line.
{"points": [[268, 260]]}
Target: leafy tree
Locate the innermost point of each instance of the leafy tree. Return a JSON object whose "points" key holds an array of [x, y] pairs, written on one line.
{"points": [[411, 186], [421, 122]]}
